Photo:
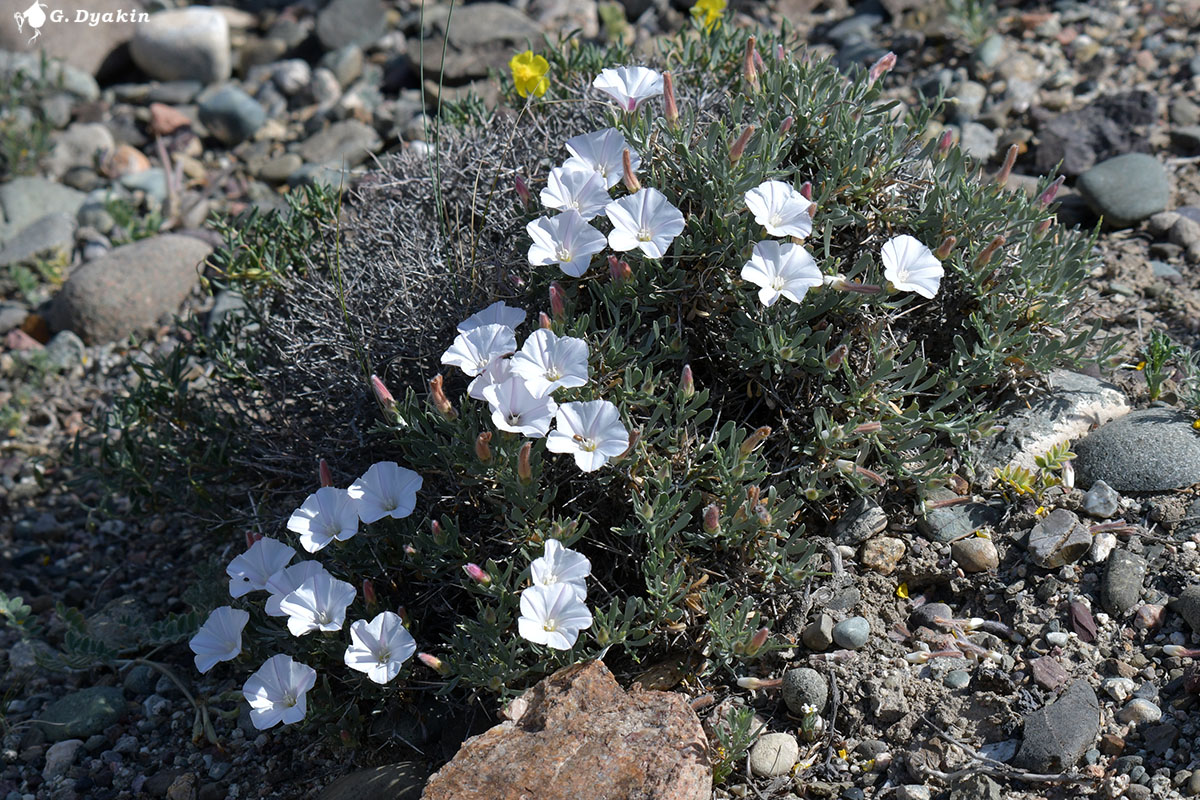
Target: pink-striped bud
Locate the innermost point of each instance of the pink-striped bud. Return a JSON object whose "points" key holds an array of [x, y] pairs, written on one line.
{"points": [[882, 66], [409, 550], [780, 53], [759, 683], [945, 141], [382, 395], [806, 190], [634, 436], [712, 518], [945, 248], [402, 613], [739, 144], [439, 533], [786, 125], [755, 439], [687, 383], [749, 68], [434, 663], [483, 447], [324, 473], [476, 573], [1043, 226], [836, 357], [251, 538], [868, 427], [437, 395], [544, 320], [1047, 197], [757, 641], [618, 270], [986, 254], [1010, 160], [524, 468], [522, 190], [558, 300], [368, 590], [631, 181], [670, 110]]}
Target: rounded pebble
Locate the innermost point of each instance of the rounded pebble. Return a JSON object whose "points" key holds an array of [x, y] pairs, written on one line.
{"points": [[851, 633], [774, 754], [804, 686], [1140, 711], [957, 679]]}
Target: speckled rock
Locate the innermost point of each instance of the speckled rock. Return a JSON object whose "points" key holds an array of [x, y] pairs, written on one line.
{"points": [[1151, 450], [804, 686], [1056, 736], [975, 554], [1126, 189], [774, 754], [1058, 539]]}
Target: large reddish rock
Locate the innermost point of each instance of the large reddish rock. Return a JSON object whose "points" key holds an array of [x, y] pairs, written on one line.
{"points": [[577, 734]]}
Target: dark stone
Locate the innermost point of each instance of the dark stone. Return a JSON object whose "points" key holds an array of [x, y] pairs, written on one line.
{"points": [[1106, 127], [1122, 583], [1048, 673], [953, 522], [358, 22], [1057, 735], [402, 781], [82, 713], [1151, 450]]}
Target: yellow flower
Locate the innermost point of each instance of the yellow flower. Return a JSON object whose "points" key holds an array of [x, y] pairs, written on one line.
{"points": [[712, 11], [902, 591], [529, 74]]}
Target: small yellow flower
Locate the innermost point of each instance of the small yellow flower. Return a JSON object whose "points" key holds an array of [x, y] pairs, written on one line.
{"points": [[711, 11], [1141, 366], [529, 74], [902, 591], [1196, 425], [1040, 511]]}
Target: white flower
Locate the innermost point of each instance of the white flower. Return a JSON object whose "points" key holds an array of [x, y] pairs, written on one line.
{"points": [[601, 152], [644, 220], [326, 514], [288, 580], [583, 190], [276, 693], [553, 616], [515, 409], [498, 313], [560, 565], [780, 209], [319, 604], [249, 571], [548, 362], [629, 86], [911, 267], [385, 490], [474, 350], [498, 371], [566, 240], [379, 647], [781, 269], [591, 430], [219, 638]]}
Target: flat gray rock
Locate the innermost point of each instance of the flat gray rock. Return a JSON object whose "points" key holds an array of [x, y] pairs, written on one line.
{"points": [[51, 237], [231, 115], [1058, 539], [83, 713], [357, 22], [185, 44], [28, 199], [1057, 735], [1152, 450], [1126, 189], [1122, 583], [348, 142], [956, 521]]}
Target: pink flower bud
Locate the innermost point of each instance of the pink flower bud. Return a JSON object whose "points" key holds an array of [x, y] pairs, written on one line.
{"points": [[434, 663], [619, 271], [749, 70], [634, 436], [368, 590], [712, 519], [945, 141], [806, 190], [780, 54], [476, 573], [522, 190], [670, 110], [409, 550], [786, 126], [631, 181], [1047, 197], [835, 358], [687, 383], [402, 613], [324, 473], [483, 447], [1043, 226], [759, 683], [1010, 159], [251, 538], [945, 248], [382, 395], [868, 427], [739, 144], [544, 320], [882, 66], [755, 439], [440, 402], [524, 469], [558, 300], [986, 254], [757, 641], [439, 533]]}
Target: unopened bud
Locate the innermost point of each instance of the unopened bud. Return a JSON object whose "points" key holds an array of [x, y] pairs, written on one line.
{"points": [[868, 427], [324, 473], [712, 519], [1068, 474], [780, 54], [919, 657], [882, 66], [1043, 226], [806, 190], [544, 319], [619, 271], [1179, 651], [759, 683], [476, 573], [945, 248], [558, 300], [835, 359], [382, 396], [755, 439], [434, 663], [437, 396], [945, 141], [986, 254], [631, 181], [634, 436], [757, 641], [739, 144], [749, 67], [670, 110], [439, 533], [687, 383], [409, 550], [368, 590], [1010, 159], [1047, 197], [522, 190], [483, 447], [251, 538], [524, 470]]}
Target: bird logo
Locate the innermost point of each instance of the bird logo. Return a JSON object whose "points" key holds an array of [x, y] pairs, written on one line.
{"points": [[34, 17]]}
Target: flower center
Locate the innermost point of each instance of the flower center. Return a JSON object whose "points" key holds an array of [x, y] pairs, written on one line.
{"points": [[775, 221], [553, 374], [322, 617], [602, 169], [644, 235], [289, 700], [550, 625], [777, 283], [588, 445], [562, 254], [384, 656], [514, 419]]}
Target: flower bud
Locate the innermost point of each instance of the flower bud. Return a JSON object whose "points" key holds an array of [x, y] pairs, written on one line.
{"points": [[368, 590], [1043, 226], [986, 254], [754, 440], [1047, 197], [835, 358], [544, 320], [440, 402], [324, 473], [806, 190], [780, 54], [409, 550], [558, 300], [787, 124], [670, 111], [251, 538], [524, 470], [382, 395], [483, 447], [434, 663], [1068, 474], [634, 436], [522, 190], [687, 383], [739, 145], [757, 641], [868, 427], [1010, 159], [945, 248], [439, 533], [619, 271], [476, 573], [631, 181], [749, 68], [882, 66], [947, 139], [759, 683], [919, 657], [402, 613], [712, 519]]}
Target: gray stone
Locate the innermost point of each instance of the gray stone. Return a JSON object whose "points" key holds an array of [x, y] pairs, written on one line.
{"points": [[804, 686], [1186, 138], [975, 554], [1187, 605], [888, 701], [774, 754], [1150, 450], [27, 199], [83, 713], [186, 44], [129, 288], [1058, 539], [324, 174], [956, 521], [1122, 583], [87, 49], [140, 680], [78, 146], [926, 616], [59, 757], [852, 633], [862, 519], [12, 315], [357, 22], [818, 635], [1139, 711], [231, 115], [1126, 189], [1183, 110], [345, 63], [51, 237], [65, 350], [912, 791], [1057, 735], [292, 76], [991, 51], [1101, 501], [1109, 126], [1185, 232], [481, 36], [966, 100], [859, 27], [978, 141], [278, 169], [976, 787], [957, 679], [152, 181], [348, 142]]}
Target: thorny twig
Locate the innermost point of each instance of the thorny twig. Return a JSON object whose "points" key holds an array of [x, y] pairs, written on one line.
{"points": [[990, 766]]}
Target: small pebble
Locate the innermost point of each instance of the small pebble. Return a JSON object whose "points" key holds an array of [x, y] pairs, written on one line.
{"points": [[957, 679], [852, 633], [1101, 501], [1140, 711], [774, 754], [1058, 638]]}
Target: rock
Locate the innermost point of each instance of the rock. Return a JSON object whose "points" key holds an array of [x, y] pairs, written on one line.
{"points": [[818, 635], [13, 315], [1188, 606], [59, 757], [1160, 738], [1106, 127], [966, 100], [925, 616], [344, 63], [231, 115], [1101, 501], [1182, 110], [1102, 546], [129, 288], [1185, 232], [954, 522], [89, 48], [292, 76], [1126, 189], [348, 143], [80, 714], [80, 145], [140, 680], [402, 781], [481, 36], [1057, 735], [1119, 689], [957, 679], [26, 200], [1048, 673], [804, 686], [1122, 583], [975, 554], [978, 141], [976, 787], [165, 120], [912, 791], [1150, 450], [888, 701], [1058, 539], [51, 237], [125, 160], [1186, 139], [65, 350], [183, 787], [604, 743], [1139, 711], [774, 754], [882, 554], [357, 22], [863, 519], [852, 633], [184, 44], [152, 181]]}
